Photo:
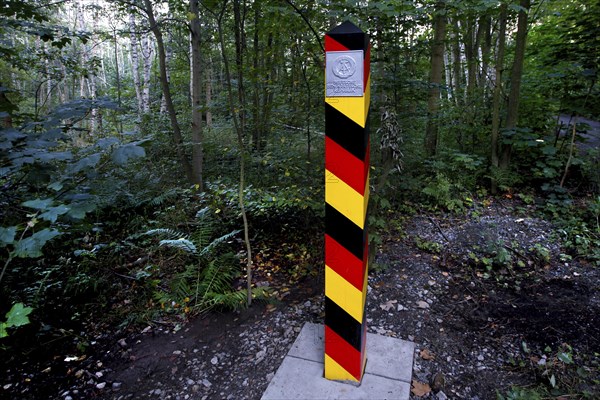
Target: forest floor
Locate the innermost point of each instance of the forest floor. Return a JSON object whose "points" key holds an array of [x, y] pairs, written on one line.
{"points": [[479, 327]]}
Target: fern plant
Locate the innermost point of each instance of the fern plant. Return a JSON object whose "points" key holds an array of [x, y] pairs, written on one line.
{"points": [[207, 282]]}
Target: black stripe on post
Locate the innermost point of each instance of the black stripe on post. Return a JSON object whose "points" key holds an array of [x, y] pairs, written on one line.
{"points": [[343, 324], [345, 132], [344, 231], [350, 36]]}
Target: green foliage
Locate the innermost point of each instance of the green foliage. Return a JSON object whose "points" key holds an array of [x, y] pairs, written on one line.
{"points": [[443, 193], [429, 246], [564, 47], [582, 239], [264, 202], [15, 317], [51, 183], [560, 372], [31, 247], [377, 222], [519, 393], [451, 177]]}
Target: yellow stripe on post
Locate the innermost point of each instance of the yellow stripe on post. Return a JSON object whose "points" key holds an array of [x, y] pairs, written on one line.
{"points": [[355, 108], [346, 200], [335, 371], [351, 107], [344, 294]]}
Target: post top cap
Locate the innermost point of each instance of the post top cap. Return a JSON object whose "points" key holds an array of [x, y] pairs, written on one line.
{"points": [[345, 28]]}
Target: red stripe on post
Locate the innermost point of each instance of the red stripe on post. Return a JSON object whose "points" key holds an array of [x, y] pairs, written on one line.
{"points": [[344, 165], [345, 263], [343, 353]]}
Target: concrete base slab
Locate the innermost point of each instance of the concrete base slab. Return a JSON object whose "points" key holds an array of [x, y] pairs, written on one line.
{"points": [[387, 375]]}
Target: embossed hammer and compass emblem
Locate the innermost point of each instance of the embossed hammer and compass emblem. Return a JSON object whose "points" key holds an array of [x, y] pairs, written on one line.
{"points": [[344, 74]]}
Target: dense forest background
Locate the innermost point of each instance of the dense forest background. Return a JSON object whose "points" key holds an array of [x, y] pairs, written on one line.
{"points": [[151, 151]]}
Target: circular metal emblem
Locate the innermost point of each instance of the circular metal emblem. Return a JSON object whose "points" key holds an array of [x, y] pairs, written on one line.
{"points": [[344, 67]]}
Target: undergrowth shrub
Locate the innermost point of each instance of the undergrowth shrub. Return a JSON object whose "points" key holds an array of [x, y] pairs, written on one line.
{"points": [[579, 228], [452, 177]]}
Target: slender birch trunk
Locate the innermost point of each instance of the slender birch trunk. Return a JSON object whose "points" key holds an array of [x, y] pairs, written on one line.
{"points": [[147, 53], [135, 61], [169, 56]]}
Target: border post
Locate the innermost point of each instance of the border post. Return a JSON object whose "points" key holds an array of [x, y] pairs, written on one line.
{"points": [[347, 97]]}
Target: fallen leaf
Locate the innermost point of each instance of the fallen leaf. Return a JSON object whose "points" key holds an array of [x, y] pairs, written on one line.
{"points": [[426, 354], [388, 305], [534, 359], [422, 304], [420, 389], [271, 308]]}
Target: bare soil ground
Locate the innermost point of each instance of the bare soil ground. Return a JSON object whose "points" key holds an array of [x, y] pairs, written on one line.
{"points": [[478, 330]]}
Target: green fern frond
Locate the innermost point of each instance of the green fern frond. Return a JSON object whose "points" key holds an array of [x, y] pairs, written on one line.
{"points": [[203, 234], [166, 233], [234, 300], [180, 288], [216, 277], [218, 241], [231, 300], [203, 213], [182, 244], [162, 198]]}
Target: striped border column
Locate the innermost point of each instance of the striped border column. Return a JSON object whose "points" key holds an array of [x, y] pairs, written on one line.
{"points": [[346, 197]]}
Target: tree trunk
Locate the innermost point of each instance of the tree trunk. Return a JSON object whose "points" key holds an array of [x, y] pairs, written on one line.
{"points": [[147, 59], [512, 110], [8, 107], [48, 99], [456, 64], [256, 131], [169, 56], [135, 62], [448, 72], [240, 41], [196, 79], [496, 96], [486, 45], [470, 55], [177, 137], [435, 79], [209, 77]]}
